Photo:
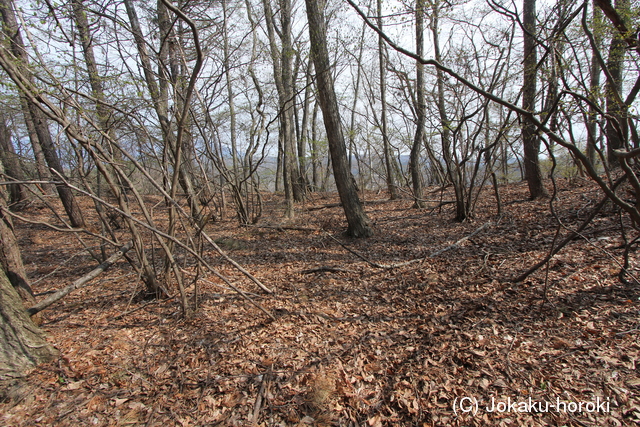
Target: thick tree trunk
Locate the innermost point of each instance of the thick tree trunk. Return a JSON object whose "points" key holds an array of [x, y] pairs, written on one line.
{"points": [[530, 140], [22, 343], [356, 217]]}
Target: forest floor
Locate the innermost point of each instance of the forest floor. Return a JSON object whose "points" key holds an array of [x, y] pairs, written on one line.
{"points": [[450, 340]]}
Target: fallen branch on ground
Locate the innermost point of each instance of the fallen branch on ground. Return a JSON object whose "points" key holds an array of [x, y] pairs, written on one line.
{"points": [[326, 269], [413, 261], [569, 238], [81, 282]]}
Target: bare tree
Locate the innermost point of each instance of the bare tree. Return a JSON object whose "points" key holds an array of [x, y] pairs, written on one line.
{"points": [[594, 85], [282, 58], [356, 217], [617, 128], [158, 87], [415, 161], [530, 139], [389, 161]]}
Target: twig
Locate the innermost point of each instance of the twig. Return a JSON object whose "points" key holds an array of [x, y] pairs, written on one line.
{"points": [[189, 273], [257, 405], [630, 331]]}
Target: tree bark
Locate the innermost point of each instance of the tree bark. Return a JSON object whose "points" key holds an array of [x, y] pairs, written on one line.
{"points": [[616, 129], [22, 343], [11, 163], [594, 86], [356, 217], [421, 112], [10, 258], [530, 140]]}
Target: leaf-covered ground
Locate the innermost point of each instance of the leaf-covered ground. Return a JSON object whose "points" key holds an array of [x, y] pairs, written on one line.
{"points": [[430, 343]]}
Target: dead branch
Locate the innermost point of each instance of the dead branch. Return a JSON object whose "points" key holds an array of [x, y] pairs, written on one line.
{"points": [[326, 269], [327, 206], [413, 261], [258, 403], [181, 244], [234, 263], [337, 205], [569, 238], [81, 282], [282, 227]]}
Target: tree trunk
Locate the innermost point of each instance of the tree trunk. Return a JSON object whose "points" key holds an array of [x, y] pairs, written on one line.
{"points": [[356, 217], [39, 121], [10, 258], [389, 160], [230, 95], [41, 164], [421, 108], [22, 343], [160, 98], [11, 163], [594, 85], [283, 77], [453, 168], [304, 128], [616, 129], [530, 140], [315, 161]]}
